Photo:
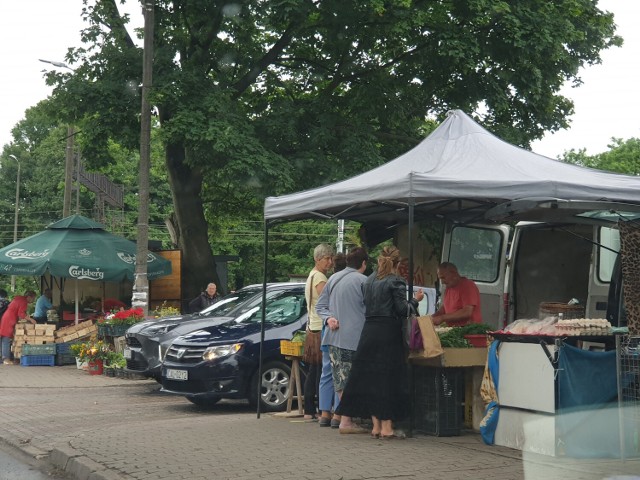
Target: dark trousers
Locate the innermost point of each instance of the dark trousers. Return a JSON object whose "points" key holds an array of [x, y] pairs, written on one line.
{"points": [[311, 389]]}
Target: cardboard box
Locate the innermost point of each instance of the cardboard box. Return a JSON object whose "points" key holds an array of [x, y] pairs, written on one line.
{"points": [[453, 357]]}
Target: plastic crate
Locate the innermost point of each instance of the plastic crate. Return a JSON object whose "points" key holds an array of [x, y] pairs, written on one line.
{"points": [[65, 359], [64, 348], [44, 349], [292, 349], [438, 400], [37, 360]]}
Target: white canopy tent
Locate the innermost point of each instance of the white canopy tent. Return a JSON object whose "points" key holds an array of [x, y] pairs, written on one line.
{"points": [[460, 170], [463, 173]]}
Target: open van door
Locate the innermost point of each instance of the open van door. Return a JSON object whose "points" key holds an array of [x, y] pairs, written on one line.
{"points": [[479, 252], [558, 263], [605, 254]]}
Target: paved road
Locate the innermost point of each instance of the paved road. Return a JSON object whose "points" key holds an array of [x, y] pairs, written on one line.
{"points": [[101, 428]]}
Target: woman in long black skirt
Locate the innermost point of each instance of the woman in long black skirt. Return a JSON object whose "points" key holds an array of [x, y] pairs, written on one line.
{"points": [[376, 386]]}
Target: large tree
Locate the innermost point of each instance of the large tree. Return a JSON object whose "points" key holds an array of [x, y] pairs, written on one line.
{"points": [[263, 97]]}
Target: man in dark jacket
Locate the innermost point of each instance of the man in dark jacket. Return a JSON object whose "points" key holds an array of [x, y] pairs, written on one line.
{"points": [[205, 299]]}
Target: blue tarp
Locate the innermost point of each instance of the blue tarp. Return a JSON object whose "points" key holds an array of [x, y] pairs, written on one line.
{"points": [[489, 422], [587, 416]]}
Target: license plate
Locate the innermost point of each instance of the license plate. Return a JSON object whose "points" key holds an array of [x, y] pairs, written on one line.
{"points": [[177, 374], [127, 353]]}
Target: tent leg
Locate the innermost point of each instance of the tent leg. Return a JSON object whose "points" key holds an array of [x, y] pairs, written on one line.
{"points": [[262, 320]]}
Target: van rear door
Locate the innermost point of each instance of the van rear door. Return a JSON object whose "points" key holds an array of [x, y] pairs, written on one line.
{"points": [[605, 254], [479, 252]]}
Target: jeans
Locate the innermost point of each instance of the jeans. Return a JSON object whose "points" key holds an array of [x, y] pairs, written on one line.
{"points": [[327, 397], [6, 348]]}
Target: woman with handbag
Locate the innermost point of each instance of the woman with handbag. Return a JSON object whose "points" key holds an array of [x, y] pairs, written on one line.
{"points": [[377, 384], [317, 279]]}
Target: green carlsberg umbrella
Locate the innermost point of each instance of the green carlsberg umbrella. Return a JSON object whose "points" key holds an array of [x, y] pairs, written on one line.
{"points": [[77, 247]]}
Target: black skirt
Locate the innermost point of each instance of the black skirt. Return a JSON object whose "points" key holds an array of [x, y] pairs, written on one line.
{"points": [[377, 384]]}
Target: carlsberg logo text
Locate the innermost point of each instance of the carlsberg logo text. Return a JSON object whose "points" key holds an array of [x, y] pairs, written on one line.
{"points": [[15, 253], [84, 273]]}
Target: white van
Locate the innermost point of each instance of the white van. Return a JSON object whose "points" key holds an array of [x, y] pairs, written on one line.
{"points": [[518, 268]]}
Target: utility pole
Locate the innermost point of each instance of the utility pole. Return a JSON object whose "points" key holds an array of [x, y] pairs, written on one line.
{"points": [[68, 172], [141, 284], [68, 163], [15, 216]]}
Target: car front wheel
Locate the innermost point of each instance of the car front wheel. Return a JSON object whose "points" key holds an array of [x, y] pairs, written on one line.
{"points": [[274, 387]]}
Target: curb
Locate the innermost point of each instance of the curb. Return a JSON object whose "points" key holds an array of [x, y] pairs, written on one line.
{"points": [[81, 467]]}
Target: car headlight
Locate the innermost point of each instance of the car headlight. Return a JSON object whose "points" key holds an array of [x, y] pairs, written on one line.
{"points": [[220, 351]]}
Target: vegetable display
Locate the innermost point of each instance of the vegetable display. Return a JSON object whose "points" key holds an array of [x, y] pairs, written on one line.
{"points": [[453, 337]]}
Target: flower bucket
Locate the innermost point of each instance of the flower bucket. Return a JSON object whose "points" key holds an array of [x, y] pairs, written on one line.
{"points": [[81, 365], [95, 367]]}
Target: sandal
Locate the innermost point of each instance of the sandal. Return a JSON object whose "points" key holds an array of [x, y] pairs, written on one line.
{"points": [[375, 435], [394, 436]]}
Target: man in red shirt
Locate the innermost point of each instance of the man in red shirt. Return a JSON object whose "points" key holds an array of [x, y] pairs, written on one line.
{"points": [[16, 310], [461, 302]]}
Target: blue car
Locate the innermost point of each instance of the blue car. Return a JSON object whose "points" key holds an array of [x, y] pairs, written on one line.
{"points": [[144, 341], [221, 360]]}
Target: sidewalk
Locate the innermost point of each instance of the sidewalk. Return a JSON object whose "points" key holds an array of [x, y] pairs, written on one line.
{"points": [[101, 428]]}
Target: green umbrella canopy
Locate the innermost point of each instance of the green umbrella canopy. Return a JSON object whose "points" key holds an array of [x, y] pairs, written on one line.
{"points": [[78, 247]]}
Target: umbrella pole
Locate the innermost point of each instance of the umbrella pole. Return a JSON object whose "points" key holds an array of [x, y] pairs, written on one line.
{"points": [[77, 301]]}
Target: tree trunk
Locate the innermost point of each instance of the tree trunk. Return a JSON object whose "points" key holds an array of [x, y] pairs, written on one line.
{"points": [[198, 265]]}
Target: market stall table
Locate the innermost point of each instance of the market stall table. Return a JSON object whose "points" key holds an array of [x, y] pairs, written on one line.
{"points": [[558, 395], [441, 385]]}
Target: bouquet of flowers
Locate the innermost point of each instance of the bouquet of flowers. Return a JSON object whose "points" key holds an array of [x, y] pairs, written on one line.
{"points": [[165, 310], [91, 350], [126, 317]]}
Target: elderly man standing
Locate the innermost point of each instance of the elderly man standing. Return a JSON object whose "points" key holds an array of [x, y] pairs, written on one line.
{"points": [[17, 310], [205, 299], [342, 309], [461, 302]]}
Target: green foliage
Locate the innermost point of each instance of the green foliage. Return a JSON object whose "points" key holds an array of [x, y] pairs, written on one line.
{"points": [[454, 337], [622, 157], [262, 98]]}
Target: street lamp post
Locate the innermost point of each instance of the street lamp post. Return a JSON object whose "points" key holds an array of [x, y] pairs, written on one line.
{"points": [[68, 165], [15, 217]]}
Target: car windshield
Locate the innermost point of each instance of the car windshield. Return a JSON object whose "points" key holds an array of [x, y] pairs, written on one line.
{"points": [[229, 302], [283, 307]]}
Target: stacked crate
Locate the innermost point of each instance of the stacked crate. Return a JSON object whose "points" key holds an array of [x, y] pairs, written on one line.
{"points": [[75, 333], [34, 344], [64, 355], [29, 334], [67, 336]]}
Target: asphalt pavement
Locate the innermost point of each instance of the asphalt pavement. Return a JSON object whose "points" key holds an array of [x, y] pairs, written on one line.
{"points": [[101, 428]]}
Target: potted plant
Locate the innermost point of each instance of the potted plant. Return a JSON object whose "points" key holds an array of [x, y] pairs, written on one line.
{"points": [[94, 353], [113, 362]]}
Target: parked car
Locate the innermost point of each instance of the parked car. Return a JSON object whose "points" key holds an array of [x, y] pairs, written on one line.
{"points": [[221, 361], [143, 351]]}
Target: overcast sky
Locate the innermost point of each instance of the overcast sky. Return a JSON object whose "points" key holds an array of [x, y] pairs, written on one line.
{"points": [[607, 104]]}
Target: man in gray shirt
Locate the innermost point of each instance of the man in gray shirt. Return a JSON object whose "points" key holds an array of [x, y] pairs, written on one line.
{"points": [[341, 308]]}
